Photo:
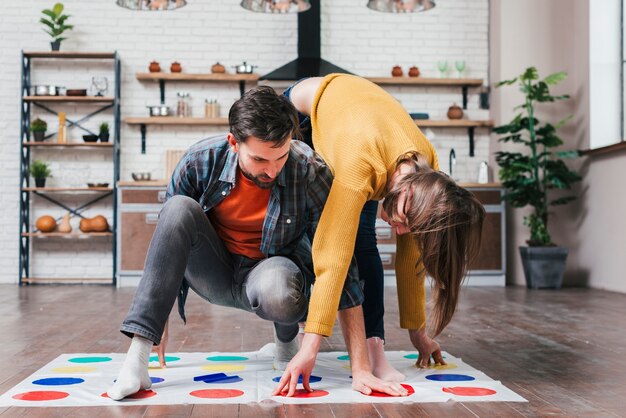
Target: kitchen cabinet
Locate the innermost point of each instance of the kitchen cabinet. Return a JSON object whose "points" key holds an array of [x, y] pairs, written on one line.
{"points": [[489, 267], [65, 197]]}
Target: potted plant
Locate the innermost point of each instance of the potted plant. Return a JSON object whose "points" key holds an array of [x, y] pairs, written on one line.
{"points": [[104, 132], [530, 176], [54, 22], [38, 127], [39, 170]]}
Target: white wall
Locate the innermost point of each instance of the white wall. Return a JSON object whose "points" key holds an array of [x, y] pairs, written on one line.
{"points": [[354, 37], [530, 33]]}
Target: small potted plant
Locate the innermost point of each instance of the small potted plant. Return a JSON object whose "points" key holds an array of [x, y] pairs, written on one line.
{"points": [[104, 132], [532, 172], [54, 22], [38, 127], [39, 170]]}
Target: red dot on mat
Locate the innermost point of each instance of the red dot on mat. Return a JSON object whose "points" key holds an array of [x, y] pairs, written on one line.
{"points": [[302, 393], [142, 394], [41, 395], [409, 388], [469, 391], [216, 393]]}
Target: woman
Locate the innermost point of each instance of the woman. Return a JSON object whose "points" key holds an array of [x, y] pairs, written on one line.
{"points": [[376, 151]]}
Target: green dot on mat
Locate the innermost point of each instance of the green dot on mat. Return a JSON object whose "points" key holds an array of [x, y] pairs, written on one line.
{"points": [[227, 358], [89, 359], [414, 356], [167, 358], [345, 357]]}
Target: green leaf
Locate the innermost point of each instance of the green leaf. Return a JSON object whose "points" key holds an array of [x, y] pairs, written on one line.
{"points": [[47, 23], [58, 9], [60, 39], [506, 82], [530, 74], [555, 78], [568, 154], [50, 14], [563, 121], [563, 200]]}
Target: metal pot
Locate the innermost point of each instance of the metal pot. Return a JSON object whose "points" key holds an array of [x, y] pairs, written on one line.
{"points": [[160, 110], [245, 68], [45, 90]]}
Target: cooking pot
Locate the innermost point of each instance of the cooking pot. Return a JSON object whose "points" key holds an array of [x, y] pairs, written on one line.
{"points": [[245, 68], [160, 110], [46, 90]]}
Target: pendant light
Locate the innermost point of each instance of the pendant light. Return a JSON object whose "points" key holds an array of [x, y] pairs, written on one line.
{"points": [[152, 5], [276, 6], [401, 6]]}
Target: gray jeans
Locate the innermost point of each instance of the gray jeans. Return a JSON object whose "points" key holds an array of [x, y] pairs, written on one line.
{"points": [[186, 244]]}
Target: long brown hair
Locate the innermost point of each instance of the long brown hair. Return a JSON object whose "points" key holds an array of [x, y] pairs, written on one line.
{"points": [[446, 220]]}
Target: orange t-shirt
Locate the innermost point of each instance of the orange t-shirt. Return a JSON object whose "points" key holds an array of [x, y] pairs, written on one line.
{"points": [[238, 219]]}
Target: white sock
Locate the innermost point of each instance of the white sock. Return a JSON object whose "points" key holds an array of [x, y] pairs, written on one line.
{"points": [[284, 352], [134, 374]]}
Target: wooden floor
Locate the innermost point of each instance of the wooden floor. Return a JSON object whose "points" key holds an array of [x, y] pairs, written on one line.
{"points": [[564, 351]]}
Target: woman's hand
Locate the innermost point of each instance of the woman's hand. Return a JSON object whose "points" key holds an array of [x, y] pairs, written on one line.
{"points": [[426, 347], [160, 349]]}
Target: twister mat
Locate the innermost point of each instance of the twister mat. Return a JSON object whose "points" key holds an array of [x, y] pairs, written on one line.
{"points": [[83, 379]]}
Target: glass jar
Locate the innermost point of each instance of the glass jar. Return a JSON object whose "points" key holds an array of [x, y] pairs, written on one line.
{"points": [[183, 106]]}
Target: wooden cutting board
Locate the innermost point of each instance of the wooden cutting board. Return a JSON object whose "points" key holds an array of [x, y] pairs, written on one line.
{"points": [[172, 157]]}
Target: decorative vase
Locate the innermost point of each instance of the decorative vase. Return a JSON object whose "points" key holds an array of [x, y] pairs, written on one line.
{"points": [[65, 225], [41, 182], [396, 71], [55, 45], [455, 112], [218, 68], [39, 136], [154, 67], [176, 67], [414, 72]]}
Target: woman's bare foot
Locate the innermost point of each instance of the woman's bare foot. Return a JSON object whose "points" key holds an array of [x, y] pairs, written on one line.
{"points": [[381, 367]]}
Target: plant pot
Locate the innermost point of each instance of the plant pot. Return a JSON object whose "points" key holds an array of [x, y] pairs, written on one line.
{"points": [[56, 45], [39, 136], [104, 137], [543, 266], [40, 182]]}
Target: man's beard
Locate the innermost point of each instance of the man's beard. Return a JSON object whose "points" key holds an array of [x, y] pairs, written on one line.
{"points": [[256, 179]]}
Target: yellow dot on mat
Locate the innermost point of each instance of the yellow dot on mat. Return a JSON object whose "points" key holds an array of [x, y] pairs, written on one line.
{"points": [[443, 366], [346, 366], [155, 368], [75, 369], [224, 367]]}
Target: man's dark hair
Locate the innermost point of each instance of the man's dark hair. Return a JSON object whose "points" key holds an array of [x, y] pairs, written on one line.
{"points": [[263, 113]]}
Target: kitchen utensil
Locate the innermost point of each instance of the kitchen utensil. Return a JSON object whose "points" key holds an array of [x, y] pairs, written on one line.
{"points": [[76, 92], [97, 184], [160, 110], [483, 173], [100, 85], [141, 176], [45, 90], [245, 68], [90, 138]]}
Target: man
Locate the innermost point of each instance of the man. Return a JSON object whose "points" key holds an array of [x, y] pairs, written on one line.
{"points": [[235, 227]]}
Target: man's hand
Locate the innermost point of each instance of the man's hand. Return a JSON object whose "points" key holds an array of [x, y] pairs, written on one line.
{"points": [[301, 364], [426, 348], [366, 383], [160, 349]]}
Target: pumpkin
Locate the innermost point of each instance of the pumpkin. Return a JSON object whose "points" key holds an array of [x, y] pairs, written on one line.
{"points": [[46, 223], [96, 224]]}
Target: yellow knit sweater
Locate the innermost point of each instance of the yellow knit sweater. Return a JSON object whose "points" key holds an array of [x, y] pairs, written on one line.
{"points": [[360, 131]]}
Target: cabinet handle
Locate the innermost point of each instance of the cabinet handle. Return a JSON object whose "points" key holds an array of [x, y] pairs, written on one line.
{"points": [[386, 259], [152, 218], [161, 196]]}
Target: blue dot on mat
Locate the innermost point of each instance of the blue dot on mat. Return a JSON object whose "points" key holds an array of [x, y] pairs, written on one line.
{"points": [[156, 379], [449, 377], [168, 359], [58, 381], [312, 379], [228, 379]]}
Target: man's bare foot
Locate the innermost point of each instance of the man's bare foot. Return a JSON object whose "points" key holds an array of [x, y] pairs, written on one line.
{"points": [[381, 367]]}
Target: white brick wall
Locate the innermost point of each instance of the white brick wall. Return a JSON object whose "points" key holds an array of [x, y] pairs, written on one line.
{"points": [[360, 40]]}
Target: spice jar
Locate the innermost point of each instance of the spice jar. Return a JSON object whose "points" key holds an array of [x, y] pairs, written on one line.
{"points": [[183, 106], [211, 109]]}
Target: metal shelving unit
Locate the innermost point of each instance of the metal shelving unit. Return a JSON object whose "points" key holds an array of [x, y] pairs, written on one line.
{"points": [[42, 102]]}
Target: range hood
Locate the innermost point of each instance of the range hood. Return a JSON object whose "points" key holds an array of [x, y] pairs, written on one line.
{"points": [[309, 62]]}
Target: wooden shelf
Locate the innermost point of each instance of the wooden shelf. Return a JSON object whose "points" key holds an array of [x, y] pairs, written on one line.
{"points": [[70, 235], [422, 81], [174, 120], [457, 123], [69, 144], [69, 99], [67, 189], [63, 280], [70, 55], [196, 77]]}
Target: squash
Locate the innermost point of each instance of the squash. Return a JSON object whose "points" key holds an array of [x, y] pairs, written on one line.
{"points": [[46, 223], [96, 224]]}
